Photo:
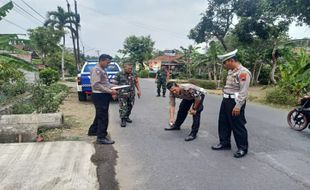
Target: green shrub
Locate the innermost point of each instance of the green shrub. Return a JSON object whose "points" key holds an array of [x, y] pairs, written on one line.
{"points": [[144, 74], [279, 96], [49, 76], [25, 108], [46, 99], [203, 83], [152, 75]]}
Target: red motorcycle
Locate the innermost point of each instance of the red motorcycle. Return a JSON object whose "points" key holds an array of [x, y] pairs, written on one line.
{"points": [[299, 118]]}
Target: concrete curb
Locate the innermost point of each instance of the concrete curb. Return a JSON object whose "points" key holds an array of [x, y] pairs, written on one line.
{"points": [[24, 127]]}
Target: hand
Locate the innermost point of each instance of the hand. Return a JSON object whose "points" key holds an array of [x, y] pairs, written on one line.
{"points": [[139, 94], [114, 96], [236, 112], [192, 111], [114, 92]]}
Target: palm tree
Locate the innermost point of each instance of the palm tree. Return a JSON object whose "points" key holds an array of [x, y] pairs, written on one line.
{"points": [[61, 20]]}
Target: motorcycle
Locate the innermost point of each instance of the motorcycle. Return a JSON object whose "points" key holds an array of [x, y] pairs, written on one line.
{"points": [[299, 118]]}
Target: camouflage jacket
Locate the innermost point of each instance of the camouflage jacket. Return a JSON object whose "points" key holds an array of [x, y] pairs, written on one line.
{"points": [[161, 75], [123, 78]]}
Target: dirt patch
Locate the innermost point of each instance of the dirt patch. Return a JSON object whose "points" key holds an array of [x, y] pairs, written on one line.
{"points": [[78, 118]]}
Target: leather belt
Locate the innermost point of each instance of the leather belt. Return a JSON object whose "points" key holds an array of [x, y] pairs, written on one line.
{"points": [[232, 96]]}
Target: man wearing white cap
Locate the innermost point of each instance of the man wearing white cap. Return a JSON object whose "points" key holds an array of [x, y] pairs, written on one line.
{"points": [[231, 117]]}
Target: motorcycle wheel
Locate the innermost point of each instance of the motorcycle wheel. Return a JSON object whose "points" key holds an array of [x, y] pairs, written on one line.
{"points": [[296, 120]]}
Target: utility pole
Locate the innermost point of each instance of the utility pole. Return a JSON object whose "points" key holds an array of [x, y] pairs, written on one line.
{"points": [[73, 40], [77, 18]]}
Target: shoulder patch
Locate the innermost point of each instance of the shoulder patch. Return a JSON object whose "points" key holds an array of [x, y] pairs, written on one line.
{"points": [[243, 76], [97, 71]]}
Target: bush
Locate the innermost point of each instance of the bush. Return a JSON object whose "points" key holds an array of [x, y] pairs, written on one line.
{"points": [[47, 99], [203, 83], [144, 74], [25, 108], [280, 96], [152, 75], [49, 76]]}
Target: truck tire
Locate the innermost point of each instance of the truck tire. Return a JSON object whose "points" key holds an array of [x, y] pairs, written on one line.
{"points": [[82, 96]]}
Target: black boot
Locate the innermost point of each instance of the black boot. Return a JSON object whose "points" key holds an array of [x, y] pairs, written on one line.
{"points": [[158, 95], [123, 122], [128, 120], [190, 137], [164, 95]]}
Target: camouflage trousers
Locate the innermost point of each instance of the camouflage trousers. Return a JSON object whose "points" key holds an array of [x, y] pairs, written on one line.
{"points": [[161, 84], [125, 105]]}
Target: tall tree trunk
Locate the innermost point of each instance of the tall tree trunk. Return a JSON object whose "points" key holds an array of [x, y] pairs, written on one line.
{"points": [[214, 71], [73, 39], [258, 72], [253, 82], [209, 74], [77, 37], [63, 58], [274, 65]]}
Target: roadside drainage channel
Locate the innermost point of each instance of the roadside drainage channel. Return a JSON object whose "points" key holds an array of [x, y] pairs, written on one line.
{"points": [[24, 127]]}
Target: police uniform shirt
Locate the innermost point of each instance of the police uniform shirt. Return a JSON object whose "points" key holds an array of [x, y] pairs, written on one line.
{"points": [[237, 83], [188, 92], [99, 80]]}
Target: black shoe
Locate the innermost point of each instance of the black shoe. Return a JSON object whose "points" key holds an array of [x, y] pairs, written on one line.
{"points": [[190, 137], [221, 147], [157, 95], [164, 95], [172, 128], [105, 141], [123, 123], [92, 134], [128, 120], [240, 153]]}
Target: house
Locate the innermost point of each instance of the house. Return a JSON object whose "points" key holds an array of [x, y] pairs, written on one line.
{"points": [[169, 58]]}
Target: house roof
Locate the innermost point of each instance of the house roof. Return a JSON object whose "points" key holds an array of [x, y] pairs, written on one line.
{"points": [[167, 58]]}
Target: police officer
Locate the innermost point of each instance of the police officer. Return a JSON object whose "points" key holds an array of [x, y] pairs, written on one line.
{"points": [[126, 96], [101, 96], [161, 80], [231, 116], [192, 103]]}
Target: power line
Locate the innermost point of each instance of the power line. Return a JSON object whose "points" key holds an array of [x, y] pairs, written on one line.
{"points": [[27, 12], [14, 24], [33, 9]]}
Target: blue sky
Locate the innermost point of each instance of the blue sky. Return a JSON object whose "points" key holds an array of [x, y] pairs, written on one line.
{"points": [[106, 23]]}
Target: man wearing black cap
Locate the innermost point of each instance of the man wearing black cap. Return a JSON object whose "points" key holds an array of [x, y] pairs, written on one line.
{"points": [[101, 96], [231, 117]]}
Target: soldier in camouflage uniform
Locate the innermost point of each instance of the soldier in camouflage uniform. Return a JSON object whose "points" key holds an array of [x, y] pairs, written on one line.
{"points": [[232, 118], [161, 80], [126, 96]]}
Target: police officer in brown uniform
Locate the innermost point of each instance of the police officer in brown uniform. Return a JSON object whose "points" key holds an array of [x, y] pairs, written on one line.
{"points": [[231, 117], [101, 96], [192, 103]]}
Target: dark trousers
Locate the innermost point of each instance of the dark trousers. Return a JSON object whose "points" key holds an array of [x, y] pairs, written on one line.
{"points": [[236, 124], [184, 107], [101, 121]]}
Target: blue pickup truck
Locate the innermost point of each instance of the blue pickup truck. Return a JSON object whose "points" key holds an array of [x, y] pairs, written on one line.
{"points": [[83, 78]]}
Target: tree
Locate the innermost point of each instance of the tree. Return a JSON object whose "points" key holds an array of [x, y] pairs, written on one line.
{"points": [[61, 20], [292, 9], [215, 22], [138, 49], [44, 41], [261, 22], [5, 9]]}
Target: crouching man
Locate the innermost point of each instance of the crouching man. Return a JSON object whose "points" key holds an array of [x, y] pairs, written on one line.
{"points": [[192, 103]]}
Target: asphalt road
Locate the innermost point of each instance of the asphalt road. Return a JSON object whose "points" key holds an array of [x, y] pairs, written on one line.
{"points": [[151, 158]]}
